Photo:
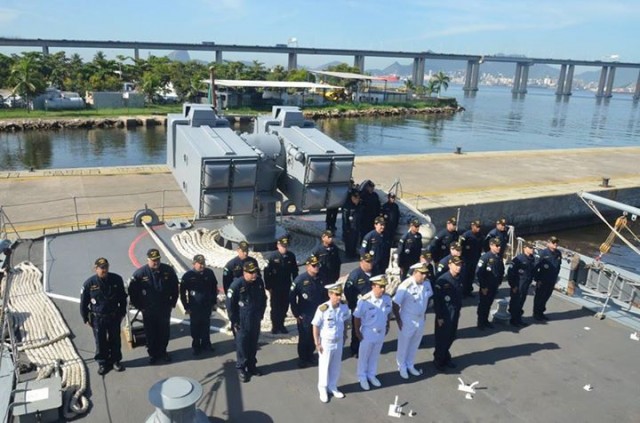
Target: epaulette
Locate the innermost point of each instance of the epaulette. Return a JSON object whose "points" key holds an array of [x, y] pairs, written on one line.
{"points": [[405, 283], [323, 307], [367, 296]]}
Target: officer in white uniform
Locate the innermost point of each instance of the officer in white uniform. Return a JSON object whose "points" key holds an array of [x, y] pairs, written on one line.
{"points": [[329, 333], [409, 307], [371, 325]]}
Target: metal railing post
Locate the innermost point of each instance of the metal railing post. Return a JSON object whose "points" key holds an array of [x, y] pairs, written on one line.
{"points": [[162, 206], [75, 208]]}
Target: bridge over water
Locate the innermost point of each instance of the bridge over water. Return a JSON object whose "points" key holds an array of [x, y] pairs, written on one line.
{"points": [[522, 64]]}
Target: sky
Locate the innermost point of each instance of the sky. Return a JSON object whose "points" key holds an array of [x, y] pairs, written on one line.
{"points": [[562, 29]]}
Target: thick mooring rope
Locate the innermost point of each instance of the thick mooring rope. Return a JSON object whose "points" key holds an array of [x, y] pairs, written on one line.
{"points": [[46, 338]]}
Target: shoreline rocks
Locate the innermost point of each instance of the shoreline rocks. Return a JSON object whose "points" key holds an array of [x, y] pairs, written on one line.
{"points": [[18, 125], [127, 122]]}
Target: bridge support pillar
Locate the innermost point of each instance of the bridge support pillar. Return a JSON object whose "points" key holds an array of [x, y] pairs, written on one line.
{"points": [[636, 94], [561, 78], [418, 71], [524, 79], [471, 76], [568, 82], [602, 81], [608, 91], [136, 54], [521, 78], [293, 62], [219, 57], [358, 62], [45, 50]]}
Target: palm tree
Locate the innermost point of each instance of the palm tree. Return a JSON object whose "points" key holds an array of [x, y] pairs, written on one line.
{"points": [[440, 82], [27, 79]]}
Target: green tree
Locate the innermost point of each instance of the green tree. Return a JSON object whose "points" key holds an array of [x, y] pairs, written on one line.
{"points": [[150, 86], [6, 62], [278, 73], [440, 82], [77, 76], [103, 74], [256, 72], [300, 75], [187, 79], [55, 69], [26, 79]]}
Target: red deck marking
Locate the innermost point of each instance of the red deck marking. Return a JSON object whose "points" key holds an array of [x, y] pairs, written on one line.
{"points": [[132, 247]]}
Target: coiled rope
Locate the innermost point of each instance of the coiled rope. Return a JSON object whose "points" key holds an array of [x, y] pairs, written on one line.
{"points": [[46, 338]]}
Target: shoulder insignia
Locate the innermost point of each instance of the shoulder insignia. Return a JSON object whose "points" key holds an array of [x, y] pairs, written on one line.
{"points": [[405, 284], [366, 296], [323, 307]]}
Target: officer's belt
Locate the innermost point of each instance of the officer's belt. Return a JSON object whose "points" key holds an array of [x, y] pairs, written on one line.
{"points": [[332, 341]]}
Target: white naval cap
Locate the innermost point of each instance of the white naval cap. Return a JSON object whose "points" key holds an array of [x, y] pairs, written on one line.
{"points": [[420, 267], [334, 287], [379, 280]]}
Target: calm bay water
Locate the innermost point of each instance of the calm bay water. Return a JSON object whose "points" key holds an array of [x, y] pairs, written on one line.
{"points": [[494, 120]]}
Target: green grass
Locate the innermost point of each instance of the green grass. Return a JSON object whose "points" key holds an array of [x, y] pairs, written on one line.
{"points": [[89, 113], [177, 108]]}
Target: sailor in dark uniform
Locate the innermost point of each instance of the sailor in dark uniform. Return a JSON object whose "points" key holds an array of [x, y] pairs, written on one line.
{"points": [[439, 246], [502, 233], [281, 270], [546, 275], [246, 302], [425, 257], [198, 293], [520, 275], [306, 294], [471, 242], [409, 248], [455, 250], [153, 289], [329, 257], [370, 206], [351, 218], [233, 269], [489, 273], [447, 302], [358, 283], [375, 244], [103, 305], [391, 213]]}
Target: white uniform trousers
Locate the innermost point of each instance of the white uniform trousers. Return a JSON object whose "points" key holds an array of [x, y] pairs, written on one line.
{"points": [[368, 356], [409, 340], [329, 365]]}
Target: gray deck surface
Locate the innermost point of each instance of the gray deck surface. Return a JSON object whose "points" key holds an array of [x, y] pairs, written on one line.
{"points": [[535, 374]]}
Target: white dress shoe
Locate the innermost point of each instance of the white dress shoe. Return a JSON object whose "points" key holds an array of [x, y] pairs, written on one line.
{"points": [[414, 371], [404, 374], [375, 382], [324, 397], [364, 384], [337, 393]]}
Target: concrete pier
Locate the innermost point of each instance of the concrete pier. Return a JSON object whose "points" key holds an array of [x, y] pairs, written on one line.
{"points": [[535, 190]]}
